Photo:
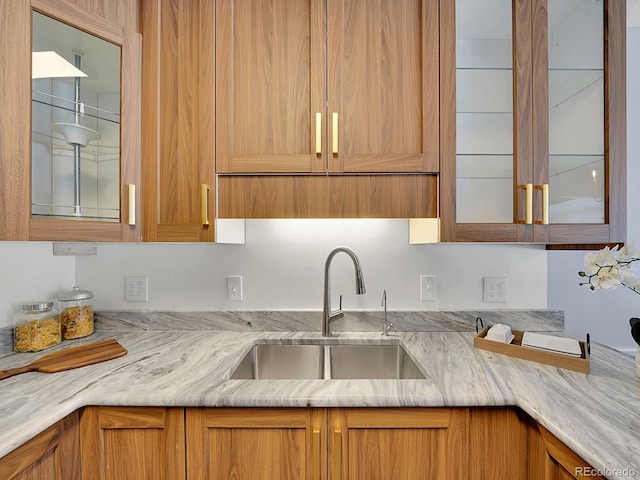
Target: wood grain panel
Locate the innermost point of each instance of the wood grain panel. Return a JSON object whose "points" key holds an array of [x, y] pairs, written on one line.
{"points": [[74, 230], [15, 127], [77, 15], [540, 112], [52, 455], [179, 200], [308, 196], [412, 443], [523, 111], [178, 113], [497, 441], [121, 12], [270, 84], [131, 142], [254, 443], [448, 122], [615, 118], [550, 459], [136, 443], [383, 83]]}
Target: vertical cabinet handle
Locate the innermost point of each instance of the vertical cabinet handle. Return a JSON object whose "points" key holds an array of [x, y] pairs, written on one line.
{"points": [[131, 191], [318, 133], [337, 454], [204, 207], [335, 133], [316, 455], [545, 203], [528, 188]]}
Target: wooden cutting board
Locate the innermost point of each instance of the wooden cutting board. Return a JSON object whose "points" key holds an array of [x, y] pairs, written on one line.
{"points": [[70, 358]]}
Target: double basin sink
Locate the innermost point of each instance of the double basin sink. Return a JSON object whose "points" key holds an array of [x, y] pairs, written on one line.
{"points": [[323, 361]]}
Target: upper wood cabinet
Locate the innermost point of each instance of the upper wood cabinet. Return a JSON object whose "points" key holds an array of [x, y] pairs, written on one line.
{"points": [[533, 142], [39, 171], [327, 86], [178, 114]]}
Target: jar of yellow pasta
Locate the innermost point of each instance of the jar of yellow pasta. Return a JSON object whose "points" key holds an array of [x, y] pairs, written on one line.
{"points": [[36, 327], [77, 313]]}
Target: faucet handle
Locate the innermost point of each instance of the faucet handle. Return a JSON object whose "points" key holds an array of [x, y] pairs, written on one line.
{"points": [[340, 303]]}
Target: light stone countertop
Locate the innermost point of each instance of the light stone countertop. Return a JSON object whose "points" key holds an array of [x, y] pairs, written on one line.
{"points": [[185, 359]]}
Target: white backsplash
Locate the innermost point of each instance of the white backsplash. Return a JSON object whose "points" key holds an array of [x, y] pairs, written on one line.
{"points": [[282, 266]]}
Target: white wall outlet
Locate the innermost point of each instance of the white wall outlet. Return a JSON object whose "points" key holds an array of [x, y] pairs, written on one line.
{"points": [[234, 288], [427, 288], [136, 289], [495, 289]]}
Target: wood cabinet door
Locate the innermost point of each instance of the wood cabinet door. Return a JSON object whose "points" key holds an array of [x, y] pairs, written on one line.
{"points": [[52, 455], [255, 443], [115, 22], [178, 110], [383, 91], [136, 443], [497, 444], [402, 443], [525, 169], [270, 86], [550, 459]]}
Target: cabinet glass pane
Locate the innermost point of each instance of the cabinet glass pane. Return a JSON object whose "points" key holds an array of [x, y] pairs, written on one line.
{"points": [[484, 112], [576, 111], [75, 123]]}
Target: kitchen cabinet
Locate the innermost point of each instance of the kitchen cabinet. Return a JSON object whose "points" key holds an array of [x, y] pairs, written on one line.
{"points": [[311, 90], [533, 121], [416, 443], [550, 459], [497, 444], [23, 184], [257, 443], [134, 443], [178, 112], [327, 86], [352, 443], [52, 455]]}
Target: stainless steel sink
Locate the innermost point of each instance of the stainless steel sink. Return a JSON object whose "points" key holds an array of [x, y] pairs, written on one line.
{"points": [[322, 361], [372, 361], [271, 361]]}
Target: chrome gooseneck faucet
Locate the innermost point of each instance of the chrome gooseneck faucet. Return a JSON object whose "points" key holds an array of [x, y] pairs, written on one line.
{"points": [[327, 315], [386, 325]]}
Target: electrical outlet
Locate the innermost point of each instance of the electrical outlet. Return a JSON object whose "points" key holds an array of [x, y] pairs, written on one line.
{"points": [[136, 289], [495, 289], [427, 288], [234, 288]]}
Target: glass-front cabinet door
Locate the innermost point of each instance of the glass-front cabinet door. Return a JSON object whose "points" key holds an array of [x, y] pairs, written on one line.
{"points": [[484, 112], [534, 131], [85, 128], [75, 124]]}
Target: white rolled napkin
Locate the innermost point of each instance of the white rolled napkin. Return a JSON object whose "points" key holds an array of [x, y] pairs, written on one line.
{"points": [[500, 333]]}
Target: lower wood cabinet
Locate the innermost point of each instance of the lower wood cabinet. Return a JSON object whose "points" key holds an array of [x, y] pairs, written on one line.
{"points": [[550, 459], [132, 443], [52, 455], [156, 443], [255, 443], [334, 443], [400, 443]]}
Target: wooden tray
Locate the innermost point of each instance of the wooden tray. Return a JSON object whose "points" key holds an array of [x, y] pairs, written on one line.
{"points": [[515, 349]]}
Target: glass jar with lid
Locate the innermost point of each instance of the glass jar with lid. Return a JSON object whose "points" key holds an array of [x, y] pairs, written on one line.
{"points": [[36, 327], [77, 313]]}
